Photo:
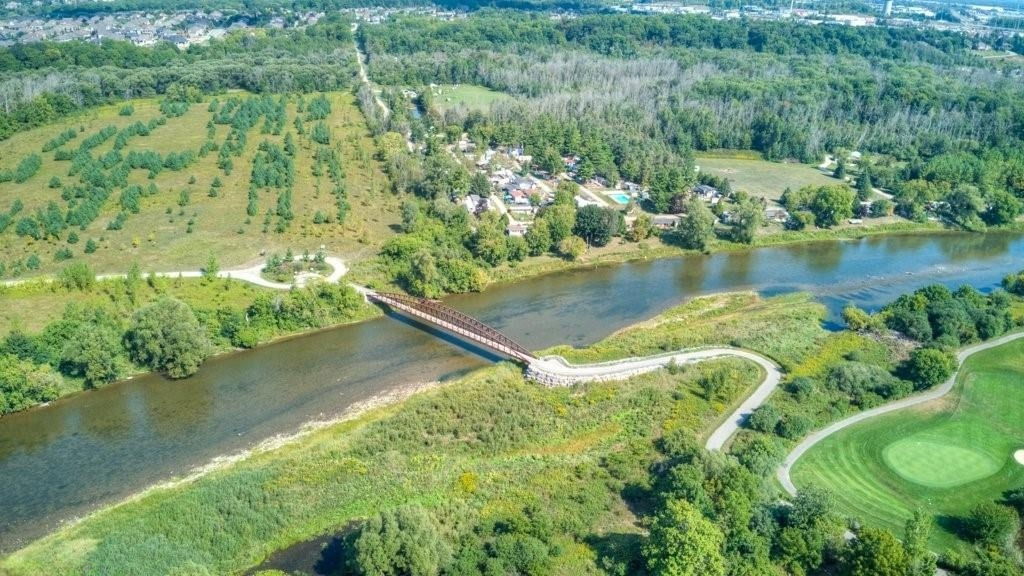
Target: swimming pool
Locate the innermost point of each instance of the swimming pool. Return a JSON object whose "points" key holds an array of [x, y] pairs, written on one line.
{"points": [[620, 198]]}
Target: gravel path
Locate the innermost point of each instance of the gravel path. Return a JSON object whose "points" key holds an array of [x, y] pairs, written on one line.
{"points": [[809, 442], [555, 370], [250, 275]]}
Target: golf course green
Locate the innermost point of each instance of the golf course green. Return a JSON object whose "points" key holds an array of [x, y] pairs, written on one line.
{"points": [[944, 457]]}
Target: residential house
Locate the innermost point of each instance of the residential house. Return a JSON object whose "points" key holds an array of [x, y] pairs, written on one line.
{"points": [[582, 202], [516, 228], [476, 204], [522, 209], [776, 214], [705, 192], [665, 221]]}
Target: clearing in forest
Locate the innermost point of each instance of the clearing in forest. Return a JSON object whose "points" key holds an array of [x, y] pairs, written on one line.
{"points": [[467, 96], [762, 178]]}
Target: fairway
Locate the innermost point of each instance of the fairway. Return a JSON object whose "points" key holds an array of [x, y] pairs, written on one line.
{"points": [[761, 178], [944, 457]]}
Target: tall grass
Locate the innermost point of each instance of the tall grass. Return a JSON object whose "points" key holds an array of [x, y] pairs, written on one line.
{"points": [[786, 328]]}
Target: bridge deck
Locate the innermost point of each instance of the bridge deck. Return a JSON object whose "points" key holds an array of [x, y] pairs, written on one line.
{"points": [[450, 319]]}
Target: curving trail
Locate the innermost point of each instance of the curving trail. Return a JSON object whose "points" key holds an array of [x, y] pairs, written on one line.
{"points": [[784, 471], [556, 371], [251, 275]]}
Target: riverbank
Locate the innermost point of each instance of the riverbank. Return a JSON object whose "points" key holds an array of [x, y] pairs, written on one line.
{"points": [[33, 303], [368, 273], [44, 300], [120, 439], [491, 430]]}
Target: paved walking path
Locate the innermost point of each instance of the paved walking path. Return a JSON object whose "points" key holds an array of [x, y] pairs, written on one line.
{"points": [[251, 275], [555, 370], [809, 442]]}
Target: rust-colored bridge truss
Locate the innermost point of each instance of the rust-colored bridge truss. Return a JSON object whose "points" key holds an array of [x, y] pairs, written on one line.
{"points": [[451, 320]]}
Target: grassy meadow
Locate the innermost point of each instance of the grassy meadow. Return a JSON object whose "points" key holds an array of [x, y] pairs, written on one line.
{"points": [[169, 233], [946, 456], [466, 96], [785, 328], [471, 451], [762, 178]]}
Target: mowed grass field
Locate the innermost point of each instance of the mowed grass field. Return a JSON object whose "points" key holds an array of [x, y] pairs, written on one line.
{"points": [[157, 237], [944, 457], [761, 178], [466, 96]]}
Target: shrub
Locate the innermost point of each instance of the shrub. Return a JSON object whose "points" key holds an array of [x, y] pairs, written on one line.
{"points": [[990, 523], [758, 453], [402, 541], [77, 276], [793, 426], [764, 419], [1014, 283], [24, 384], [572, 247], [94, 354], [166, 337], [928, 367], [63, 254], [28, 167]]}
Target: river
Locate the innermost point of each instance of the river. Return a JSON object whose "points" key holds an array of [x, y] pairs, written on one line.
{"points": [[91, 449]]}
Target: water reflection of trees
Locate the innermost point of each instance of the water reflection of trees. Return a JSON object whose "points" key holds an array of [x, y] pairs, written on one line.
{"points": [[736, 267], [973, 247], [107, 415], [175, 408], [820, 257], [30, 431], [692, 275]]}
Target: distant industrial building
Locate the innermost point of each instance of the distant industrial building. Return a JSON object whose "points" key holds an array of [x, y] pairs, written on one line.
{"points": [[887, 9]]}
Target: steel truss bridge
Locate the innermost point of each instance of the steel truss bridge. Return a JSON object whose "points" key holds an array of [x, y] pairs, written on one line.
{"points": [[435, 313]]}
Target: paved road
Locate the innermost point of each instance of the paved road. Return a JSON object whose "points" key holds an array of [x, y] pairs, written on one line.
{"points": [[556, 370], [250, 275], [809, 442]]}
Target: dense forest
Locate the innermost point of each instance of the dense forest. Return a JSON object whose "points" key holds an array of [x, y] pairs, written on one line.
{"points": [[635, 96], [42, 82]]}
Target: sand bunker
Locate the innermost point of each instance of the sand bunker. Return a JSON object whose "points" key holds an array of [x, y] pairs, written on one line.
{"points": [[1019, 457]]}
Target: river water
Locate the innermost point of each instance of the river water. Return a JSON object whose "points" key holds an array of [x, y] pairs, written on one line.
{"points": [[65, 459]]}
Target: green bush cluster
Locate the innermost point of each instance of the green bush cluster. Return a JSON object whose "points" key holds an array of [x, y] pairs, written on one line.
{"points": [[935, 315], [60, 140]]}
